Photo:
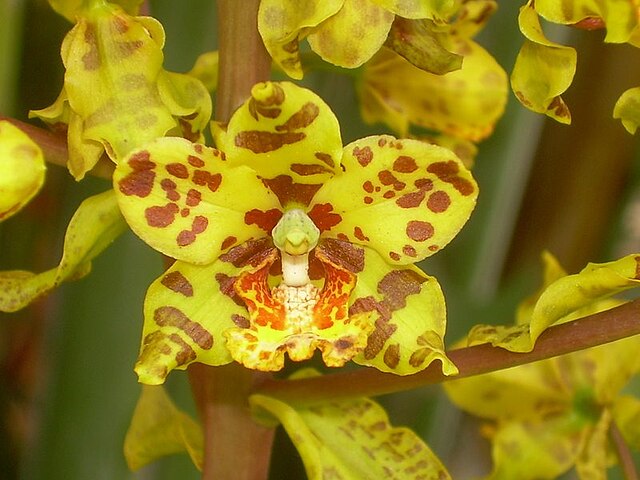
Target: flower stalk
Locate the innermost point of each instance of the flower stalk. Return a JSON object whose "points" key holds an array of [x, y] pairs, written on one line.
{"points": [[234, 445]]}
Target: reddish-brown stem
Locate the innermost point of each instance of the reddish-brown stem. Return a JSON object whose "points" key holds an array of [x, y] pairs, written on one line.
{"points": [[625, 458], [597, 329], [235, 446]]}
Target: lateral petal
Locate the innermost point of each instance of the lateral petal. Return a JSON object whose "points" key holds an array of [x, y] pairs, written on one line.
{"points": [[185, 201], [404, 198], [409, 312]]}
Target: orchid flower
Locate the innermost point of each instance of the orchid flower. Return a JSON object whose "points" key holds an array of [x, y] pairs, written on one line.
{"points": [[288, 242], [549, 416], [22, 169], [116, 94], [463, 105], [346, 33], [544, 69]]}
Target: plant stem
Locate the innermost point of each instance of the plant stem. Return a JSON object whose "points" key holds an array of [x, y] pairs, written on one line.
{"points": [[625, 458], [597, 329], [235, 446]]}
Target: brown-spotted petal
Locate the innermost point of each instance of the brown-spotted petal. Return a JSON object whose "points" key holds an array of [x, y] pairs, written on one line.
{"points": [[288, 135], [404, 198], [185, 201]]}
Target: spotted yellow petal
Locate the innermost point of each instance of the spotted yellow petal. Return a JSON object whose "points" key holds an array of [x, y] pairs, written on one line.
{"points": [[536, 450], [70, 9], [543, 69], [160, 428], [96, 223], [409, 315], [419, 42], [619, 18], [206, 70], [55, 115], [627, 109], [188, 100], [465, 103], [608, 368], [593, 460], [353, 35], [112, 63], [567, 298], [282, 24], [432, 9], [471, 17], [351, 440], [404, 198], [187, 310], [288, 135], [184, 200], [299, 320], [626, 414], [529, 392], [465, 150], [22, 169]]}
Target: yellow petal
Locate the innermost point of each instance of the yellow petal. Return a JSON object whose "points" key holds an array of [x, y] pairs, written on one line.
{"points": [[22, 169], [423, 192], [610, 367], [299, 320], [535, 450], [206, 70], [96, 223], [433, 9], [419, 42], [568, 298], [593, 462], [186, 311], [184, 200], [84, 153], [288, 135], [552, 271], [543, 70], [619, 18], [627, 109], [282, 24], [529, 392], [626, 413], [70, 9], [409, 313], [325, 437], [112, 63], [469, 101], [57, 114], [188, 99], [159, 428], [471, 17], [353, 35]]}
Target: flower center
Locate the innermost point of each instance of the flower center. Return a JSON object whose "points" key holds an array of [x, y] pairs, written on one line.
{"points": [[295, 236]]}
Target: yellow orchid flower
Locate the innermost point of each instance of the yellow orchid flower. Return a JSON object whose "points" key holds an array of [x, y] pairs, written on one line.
{"points": [[549, 416], [544, 70], [116, 95], [22, 169], [286, 242], [399, 90], [343, 32]]}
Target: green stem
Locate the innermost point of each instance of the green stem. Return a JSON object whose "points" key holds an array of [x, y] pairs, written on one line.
{"points": [[597, 329], [625, 458], [235, 446]]}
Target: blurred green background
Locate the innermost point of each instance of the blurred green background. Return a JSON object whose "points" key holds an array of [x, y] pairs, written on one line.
{"points": [[67, 388]]}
